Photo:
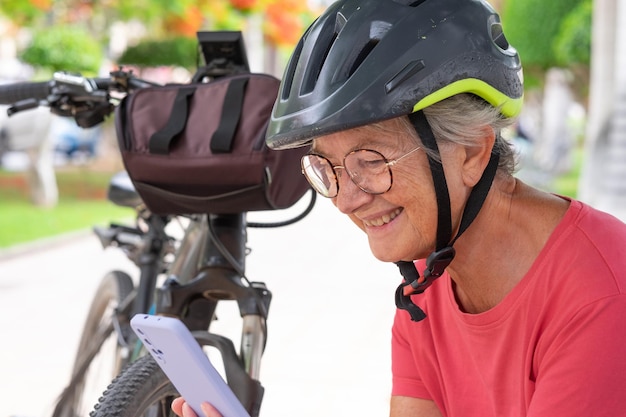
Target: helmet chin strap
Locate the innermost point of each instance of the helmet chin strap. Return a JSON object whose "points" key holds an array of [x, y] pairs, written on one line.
{"points": [[438, 261]]}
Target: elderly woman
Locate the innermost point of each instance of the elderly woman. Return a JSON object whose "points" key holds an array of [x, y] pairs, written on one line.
{"points": [[513, 299]]}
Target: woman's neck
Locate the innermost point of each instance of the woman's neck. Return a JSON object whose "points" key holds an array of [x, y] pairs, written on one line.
{"points": [[502, 243]]}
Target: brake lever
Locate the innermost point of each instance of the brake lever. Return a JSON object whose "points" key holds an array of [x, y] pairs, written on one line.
{"points": [[22, 105], [78, 97], [74, 82], [71, 88]]}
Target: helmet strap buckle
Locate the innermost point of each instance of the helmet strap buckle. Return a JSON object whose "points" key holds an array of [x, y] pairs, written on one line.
{"points": [[436, 263]]}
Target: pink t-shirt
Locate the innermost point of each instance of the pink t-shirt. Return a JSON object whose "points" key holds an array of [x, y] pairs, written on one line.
{"points": [[554, 347]]}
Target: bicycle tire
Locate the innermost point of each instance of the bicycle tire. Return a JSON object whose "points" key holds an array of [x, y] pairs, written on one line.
{"points": [[81, 395], [141, 390]]}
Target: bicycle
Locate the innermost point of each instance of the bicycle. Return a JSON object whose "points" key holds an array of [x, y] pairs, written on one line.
{"points": [[185, 276]]}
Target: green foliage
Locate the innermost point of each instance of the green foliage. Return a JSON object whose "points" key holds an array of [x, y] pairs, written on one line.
{"points": [[20, 11], [180, 51], [148, 11], [572, 44], [533, 26], [64, 48]]}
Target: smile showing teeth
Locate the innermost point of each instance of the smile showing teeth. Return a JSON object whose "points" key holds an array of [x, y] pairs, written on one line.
{"points": [[382, 220]]}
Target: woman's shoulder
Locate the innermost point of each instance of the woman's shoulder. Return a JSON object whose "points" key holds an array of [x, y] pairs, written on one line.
{"points": [[588, 250], [599, 230]]}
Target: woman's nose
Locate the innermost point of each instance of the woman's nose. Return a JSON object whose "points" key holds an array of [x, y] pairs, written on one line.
{"points": [[349, 196]]}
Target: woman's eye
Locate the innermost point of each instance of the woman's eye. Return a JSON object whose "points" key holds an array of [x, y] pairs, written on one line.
{"points": [[372, 164]]}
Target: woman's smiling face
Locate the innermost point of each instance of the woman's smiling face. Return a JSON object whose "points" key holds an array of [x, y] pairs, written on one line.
{"points": [[400, 223]]}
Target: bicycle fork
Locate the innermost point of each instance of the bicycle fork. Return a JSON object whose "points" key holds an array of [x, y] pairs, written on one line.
{"points": [[209, 268]]}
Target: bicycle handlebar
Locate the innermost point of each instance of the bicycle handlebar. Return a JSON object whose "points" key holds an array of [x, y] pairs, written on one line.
{"points": [[87, 100], [13, 93]]}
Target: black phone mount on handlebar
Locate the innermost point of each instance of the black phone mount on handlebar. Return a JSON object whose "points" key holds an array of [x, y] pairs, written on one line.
{"points": [[224, 53]]}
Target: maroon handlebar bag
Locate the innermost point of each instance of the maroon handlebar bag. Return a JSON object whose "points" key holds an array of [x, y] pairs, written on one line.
{"points": [[200, 148]]}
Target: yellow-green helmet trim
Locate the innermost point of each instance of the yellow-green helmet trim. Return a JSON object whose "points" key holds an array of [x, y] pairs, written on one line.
{"points": [[509, 107]]}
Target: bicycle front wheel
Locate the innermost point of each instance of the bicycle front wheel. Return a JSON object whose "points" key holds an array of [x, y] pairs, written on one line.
{"points": [[141, 390], [100, 355]]}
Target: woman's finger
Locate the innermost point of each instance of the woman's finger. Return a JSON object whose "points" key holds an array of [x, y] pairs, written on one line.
{"points": [[209, 410], [177, 406]]}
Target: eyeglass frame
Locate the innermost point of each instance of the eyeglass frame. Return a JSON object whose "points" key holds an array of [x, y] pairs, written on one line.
{"points": [[388, 165]]}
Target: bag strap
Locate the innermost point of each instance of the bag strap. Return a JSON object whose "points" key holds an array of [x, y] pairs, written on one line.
{"points": [[160, 141], [222, 140]]}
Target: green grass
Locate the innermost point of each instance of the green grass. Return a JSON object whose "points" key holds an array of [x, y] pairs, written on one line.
{"points": [[82, 204]]}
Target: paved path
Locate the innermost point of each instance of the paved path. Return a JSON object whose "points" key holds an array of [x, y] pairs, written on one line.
{"points": [[328, 348]]}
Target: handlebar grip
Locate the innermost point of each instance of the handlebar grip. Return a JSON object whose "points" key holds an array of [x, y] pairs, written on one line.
{"points": [[13, 93]]}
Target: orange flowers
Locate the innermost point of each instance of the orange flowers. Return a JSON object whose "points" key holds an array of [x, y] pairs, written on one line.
{"points": [[245, 6], [285, 21], [42, 4], [187, 24]]}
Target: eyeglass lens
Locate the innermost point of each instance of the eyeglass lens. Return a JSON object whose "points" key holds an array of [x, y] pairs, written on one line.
{"points": [[368, 170]]}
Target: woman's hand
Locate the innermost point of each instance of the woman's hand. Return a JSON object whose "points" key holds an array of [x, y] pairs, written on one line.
{"points": [[182, 409]]}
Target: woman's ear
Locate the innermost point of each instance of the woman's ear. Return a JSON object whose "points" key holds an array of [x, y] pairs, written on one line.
{"points": [[477, 157]]}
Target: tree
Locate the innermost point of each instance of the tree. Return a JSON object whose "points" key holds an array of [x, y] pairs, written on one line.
{"points": [[25, 12], [283, 21], [553, 39], [548, 34], [63, 48], [178, 51]]}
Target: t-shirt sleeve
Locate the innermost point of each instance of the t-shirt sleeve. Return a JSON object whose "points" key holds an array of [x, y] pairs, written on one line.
{"points": [[406, 380]]}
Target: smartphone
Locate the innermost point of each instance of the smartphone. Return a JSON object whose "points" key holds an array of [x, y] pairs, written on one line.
{"points": [[181, 358]]}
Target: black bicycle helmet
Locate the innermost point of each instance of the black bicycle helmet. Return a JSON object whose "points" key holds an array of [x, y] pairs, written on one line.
{"points": [[364, 61]]}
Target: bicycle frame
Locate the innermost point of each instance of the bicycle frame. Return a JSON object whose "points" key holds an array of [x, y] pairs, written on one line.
{"points": [[217, 244], [208, 267]]}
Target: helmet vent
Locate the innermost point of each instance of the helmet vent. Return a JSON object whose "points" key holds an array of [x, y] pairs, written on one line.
{"points": [[497, 35], [291, 69], [365, 51], [410, 3], [318, 56], [369, 40], [315, 68], [407, 72]]}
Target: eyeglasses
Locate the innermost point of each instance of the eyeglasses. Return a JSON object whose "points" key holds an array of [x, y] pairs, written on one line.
{"points": [[368, 169]]}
